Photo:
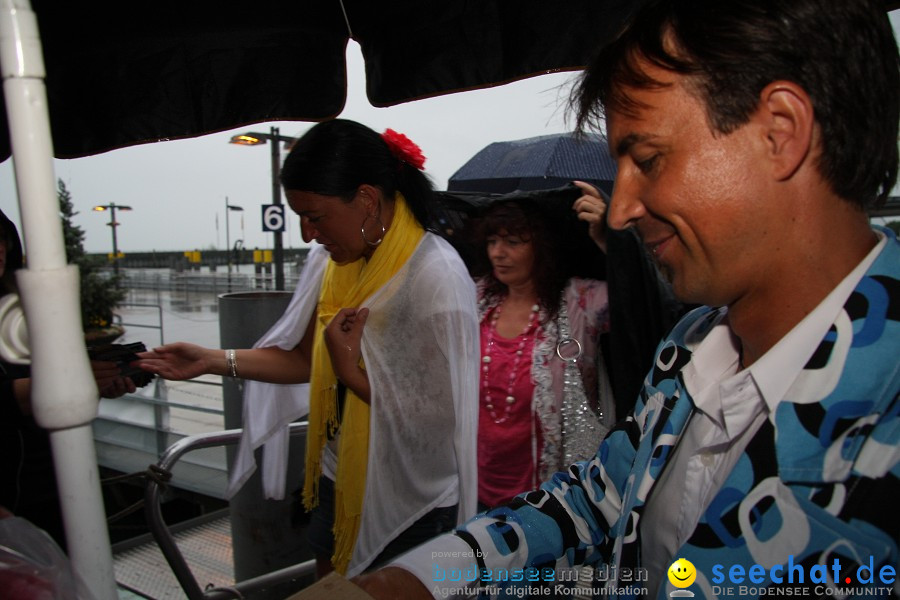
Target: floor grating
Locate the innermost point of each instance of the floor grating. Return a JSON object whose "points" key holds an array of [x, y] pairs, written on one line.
{"points": [[206, 548]]}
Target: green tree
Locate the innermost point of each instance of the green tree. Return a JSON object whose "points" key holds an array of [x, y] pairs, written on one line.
{"points": [[100, 293]]}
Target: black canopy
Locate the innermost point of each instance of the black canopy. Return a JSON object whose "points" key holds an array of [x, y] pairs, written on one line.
{"points": [[123, 73]]}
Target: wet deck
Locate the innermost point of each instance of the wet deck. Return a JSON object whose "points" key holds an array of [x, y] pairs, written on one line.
{"points": [[141, 569]]}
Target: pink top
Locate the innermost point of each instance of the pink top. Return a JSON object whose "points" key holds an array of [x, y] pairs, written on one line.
{"points": [[509, 452], [505, 456]]}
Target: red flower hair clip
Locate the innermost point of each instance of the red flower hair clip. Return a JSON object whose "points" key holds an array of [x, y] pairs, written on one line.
{"points": [[404, 149]]}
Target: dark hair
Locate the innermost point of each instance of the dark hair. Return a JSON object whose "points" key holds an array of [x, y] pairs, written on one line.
{"points": [[842, 53], [9, 236], [335, 157], [526, 220]]}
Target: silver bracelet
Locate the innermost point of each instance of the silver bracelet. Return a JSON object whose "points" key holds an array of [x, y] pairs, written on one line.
{"points": [[231, 362]]}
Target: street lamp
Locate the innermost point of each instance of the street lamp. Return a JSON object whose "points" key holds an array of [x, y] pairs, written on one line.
{"points": [[253, 138], [112, 207], [228, 209]]}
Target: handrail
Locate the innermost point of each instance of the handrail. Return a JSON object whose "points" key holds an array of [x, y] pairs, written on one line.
{"points": [[166, 540], [159, 311]]}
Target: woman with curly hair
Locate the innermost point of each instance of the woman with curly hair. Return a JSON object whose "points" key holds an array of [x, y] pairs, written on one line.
{"points": [[545, 398]]}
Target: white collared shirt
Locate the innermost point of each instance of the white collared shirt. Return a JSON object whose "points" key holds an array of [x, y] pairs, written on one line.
{"points": [[730, 406]]}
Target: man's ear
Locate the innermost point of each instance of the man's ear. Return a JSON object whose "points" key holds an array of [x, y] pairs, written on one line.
{"points": [[789, 123]]}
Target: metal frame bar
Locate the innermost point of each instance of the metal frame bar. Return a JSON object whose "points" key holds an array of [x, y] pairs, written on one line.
{"points": [[166, 541]]}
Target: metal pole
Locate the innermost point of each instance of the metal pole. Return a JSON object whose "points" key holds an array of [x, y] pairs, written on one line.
{"points": [[275, 141], [228, 242], [113, 224], [64, 394]]}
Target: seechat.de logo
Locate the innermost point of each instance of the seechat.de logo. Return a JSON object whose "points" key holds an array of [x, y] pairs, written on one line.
{"points": [[682, 574], [792, 578]]}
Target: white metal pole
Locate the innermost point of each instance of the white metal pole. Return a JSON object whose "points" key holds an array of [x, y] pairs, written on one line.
{"points": [[64, 395]]}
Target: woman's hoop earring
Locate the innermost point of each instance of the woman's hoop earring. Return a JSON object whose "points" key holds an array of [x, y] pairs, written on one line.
{"points": [[365, 238]]}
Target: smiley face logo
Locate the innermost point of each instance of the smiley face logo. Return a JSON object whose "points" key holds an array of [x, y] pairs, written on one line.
{"points": [[682, 573]]}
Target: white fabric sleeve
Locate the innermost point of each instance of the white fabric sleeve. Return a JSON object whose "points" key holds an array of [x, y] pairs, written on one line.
{"points": [[444, 565], [457, 335], [268, 408]]}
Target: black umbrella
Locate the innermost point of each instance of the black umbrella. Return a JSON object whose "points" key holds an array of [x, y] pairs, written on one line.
{"points": [[123, 73], [537, 163], [458, 213]]}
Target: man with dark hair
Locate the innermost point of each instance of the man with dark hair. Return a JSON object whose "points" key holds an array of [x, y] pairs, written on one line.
{"points": [[750, 137]]}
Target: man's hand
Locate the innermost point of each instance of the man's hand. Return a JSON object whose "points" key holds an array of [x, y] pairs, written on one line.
{"points": [[109, 379], [392, 583], [590, 207]]}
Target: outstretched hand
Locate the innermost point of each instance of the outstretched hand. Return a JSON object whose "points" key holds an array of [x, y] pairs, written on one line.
{"points": [[590, 207], [178, 361]]}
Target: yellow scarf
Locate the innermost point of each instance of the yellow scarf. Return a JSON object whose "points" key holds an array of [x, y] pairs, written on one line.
{"points": [[348, 286]]}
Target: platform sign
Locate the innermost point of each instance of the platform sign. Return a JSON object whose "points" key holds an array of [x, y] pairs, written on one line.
{"points": [[273, 218]]}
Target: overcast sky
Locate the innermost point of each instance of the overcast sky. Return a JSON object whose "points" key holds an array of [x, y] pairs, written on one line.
{"points": [[177, 189]]}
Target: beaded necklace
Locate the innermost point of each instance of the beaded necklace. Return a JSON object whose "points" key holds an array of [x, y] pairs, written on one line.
{"points": [[510, 400]]}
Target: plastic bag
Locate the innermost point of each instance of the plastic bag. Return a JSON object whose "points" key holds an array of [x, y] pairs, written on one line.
{"points": [[33, 567]]}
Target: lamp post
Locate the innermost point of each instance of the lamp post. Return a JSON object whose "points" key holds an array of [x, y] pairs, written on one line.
{"points": [[252, 138], [112, 207], [228, 209]]}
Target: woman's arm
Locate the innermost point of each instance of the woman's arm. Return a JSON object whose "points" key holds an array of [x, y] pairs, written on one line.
{"points": [[343, 337], [181, 361]]}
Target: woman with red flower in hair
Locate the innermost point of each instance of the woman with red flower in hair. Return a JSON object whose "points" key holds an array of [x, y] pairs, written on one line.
{"points": [[383, 326]]}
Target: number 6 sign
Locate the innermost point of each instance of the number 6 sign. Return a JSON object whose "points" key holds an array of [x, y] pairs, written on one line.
{"points": [[273, 217]]}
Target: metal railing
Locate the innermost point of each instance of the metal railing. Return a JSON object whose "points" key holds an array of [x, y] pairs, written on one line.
{"points": [[133, 430], [118, 318], [136, 430], [166, 541], [197, 282]]}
